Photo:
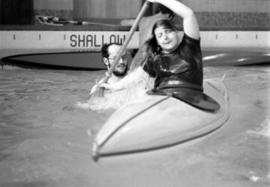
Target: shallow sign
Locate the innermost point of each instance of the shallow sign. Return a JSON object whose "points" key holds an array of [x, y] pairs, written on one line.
{"points": [[85, 40]]}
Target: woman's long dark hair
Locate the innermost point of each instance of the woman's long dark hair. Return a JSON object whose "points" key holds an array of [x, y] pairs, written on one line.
{"points": [[153, 48]]}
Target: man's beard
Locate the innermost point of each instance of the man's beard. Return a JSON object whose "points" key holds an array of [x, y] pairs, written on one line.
{"points": [[120, 74]]}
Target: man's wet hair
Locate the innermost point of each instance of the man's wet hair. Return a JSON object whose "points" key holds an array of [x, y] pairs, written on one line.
{"points": [[105, 47]]}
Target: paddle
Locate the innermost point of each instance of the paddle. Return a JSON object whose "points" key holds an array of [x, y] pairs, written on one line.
{"points": [[100, 90]]}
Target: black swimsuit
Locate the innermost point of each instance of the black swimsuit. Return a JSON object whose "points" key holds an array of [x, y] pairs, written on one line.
{"points": [[180, 74]]}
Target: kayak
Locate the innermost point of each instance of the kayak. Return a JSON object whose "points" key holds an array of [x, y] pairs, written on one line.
{"points": [[155, 121], [230, 57], [90, 60]]}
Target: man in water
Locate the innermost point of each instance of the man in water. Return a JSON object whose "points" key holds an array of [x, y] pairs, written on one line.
{"points": [[109, 53], [115, 99]]}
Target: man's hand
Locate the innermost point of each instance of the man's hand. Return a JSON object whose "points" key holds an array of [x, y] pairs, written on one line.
{"points": [[106, 86]]}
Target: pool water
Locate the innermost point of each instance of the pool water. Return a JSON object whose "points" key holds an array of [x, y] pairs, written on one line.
{"points": [[45, 140]]}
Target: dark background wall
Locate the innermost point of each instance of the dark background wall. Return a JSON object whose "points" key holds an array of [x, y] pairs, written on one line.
{"points": [[219, 14], [60, 8], [242, 14], [16, 12]]}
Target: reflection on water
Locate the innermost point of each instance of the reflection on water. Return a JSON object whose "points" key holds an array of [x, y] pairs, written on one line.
{"points": [[43, 136]]}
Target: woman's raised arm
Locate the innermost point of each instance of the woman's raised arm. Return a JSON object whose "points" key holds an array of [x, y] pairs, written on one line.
{"points": [[190, 23]]}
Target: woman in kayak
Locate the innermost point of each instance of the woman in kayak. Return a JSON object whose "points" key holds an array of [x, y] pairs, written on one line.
{"points": [[175, 62], [145, 31]]}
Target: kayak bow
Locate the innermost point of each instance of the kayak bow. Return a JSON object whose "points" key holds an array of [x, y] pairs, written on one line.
{"points": [[159, 121]]}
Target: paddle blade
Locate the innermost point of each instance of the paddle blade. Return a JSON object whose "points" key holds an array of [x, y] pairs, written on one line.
{"points": [[99, 92]]}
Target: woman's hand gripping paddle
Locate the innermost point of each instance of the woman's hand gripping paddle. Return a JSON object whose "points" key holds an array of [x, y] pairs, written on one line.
{"points": [[100, 90]]}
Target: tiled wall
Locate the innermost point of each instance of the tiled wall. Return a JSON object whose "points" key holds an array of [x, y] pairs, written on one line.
{"points": [[117, 9], [235, 14], [228, 5], [212, 14], [232, 14], [60, 8], [54, 4], [234, 20], [63, 13]]}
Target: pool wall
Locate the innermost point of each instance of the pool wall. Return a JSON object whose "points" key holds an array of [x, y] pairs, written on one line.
{"points": [[92, 40]]}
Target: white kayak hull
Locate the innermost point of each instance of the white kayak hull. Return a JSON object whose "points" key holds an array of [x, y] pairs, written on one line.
{"points": [[159, 121]]}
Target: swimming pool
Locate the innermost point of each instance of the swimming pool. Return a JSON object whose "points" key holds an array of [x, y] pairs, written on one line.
{"points": [[46, 141]]}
